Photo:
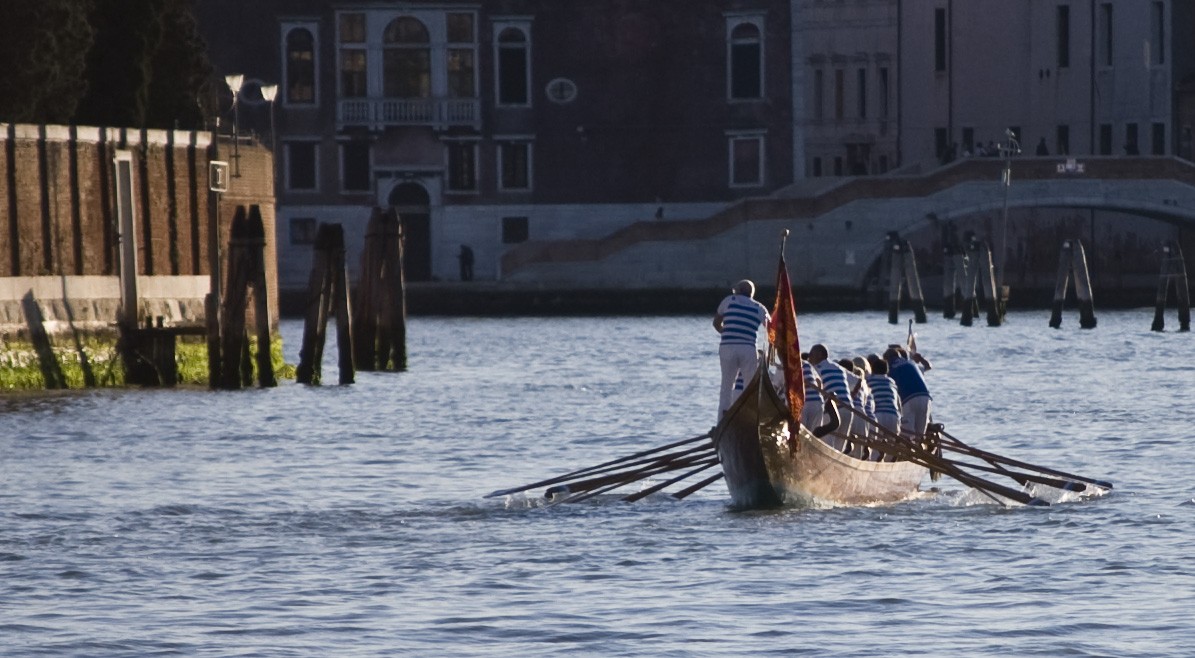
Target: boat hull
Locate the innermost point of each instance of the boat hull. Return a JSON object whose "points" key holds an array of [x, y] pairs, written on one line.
{"points": [[766, 467]]}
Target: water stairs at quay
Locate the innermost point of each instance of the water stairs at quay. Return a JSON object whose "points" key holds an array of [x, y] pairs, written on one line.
{"points": [[841, 230]]}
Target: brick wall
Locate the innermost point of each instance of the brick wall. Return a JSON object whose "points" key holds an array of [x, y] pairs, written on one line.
{"points": [[57, 200]]}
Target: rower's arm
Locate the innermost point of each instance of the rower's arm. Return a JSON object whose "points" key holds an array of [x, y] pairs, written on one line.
{"points": [[718, 322]]}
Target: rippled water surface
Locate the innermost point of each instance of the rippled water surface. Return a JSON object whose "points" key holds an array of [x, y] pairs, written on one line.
{"points": [[350, 521]]}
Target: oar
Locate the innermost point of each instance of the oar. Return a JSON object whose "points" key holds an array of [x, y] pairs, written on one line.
{"points": [[656, 487], [652, 465], [595, 468], [918, 455], [623, 479], [680, 495], [1026, 478], [983, 454], [646, 462]]}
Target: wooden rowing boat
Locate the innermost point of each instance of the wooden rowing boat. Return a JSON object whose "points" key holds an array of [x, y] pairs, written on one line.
{"points": [[765, 467]]}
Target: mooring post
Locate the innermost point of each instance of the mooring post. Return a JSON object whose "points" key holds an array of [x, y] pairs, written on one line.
{"points": [[319, 288], [1061, 284], [970, 303], [914, 280], [1173, 268], [895, 279], [1181, 291], [235, 298], [394, 301], [994, 298], [1083, 286], [340, 299], [256, 245]]}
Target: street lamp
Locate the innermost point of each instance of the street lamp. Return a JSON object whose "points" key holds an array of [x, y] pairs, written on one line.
{"points": [[1008, 149], [270, 92], [234, 83]]}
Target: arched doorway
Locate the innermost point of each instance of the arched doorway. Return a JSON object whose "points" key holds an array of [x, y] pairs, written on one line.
{"points": [[413, 205]]}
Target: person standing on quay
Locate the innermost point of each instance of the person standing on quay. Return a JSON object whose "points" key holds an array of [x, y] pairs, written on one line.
{"points": [[466, 258], [738, 319]]}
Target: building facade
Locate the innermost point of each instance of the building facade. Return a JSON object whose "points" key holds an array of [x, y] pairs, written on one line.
{"points": [[1069, 77], [494, 123]]}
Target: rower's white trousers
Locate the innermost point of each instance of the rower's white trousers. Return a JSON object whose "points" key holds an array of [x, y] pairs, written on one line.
{"points": [[734, 359], [914, 416], [888, 421]]}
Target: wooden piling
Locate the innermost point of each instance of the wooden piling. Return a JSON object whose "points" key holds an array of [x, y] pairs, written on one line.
{"points": [[981, 279], [319, 288], [916, 299], [236, 292], [895, 279], [1073, 261], [256, 244], [987, 275], [903, 272], [379, 319], [1174, 269], [393, 326], [327, 294], [342, 307]]}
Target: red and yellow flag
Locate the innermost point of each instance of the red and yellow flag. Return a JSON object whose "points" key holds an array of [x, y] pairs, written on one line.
{"points": [[782, 333]]}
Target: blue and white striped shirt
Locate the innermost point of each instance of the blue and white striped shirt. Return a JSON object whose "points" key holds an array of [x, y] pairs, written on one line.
{"points": [[812, 382], [741, 317], [883, 391], [834, 380]]}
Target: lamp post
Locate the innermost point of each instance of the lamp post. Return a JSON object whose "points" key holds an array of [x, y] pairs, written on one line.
{"points": [[1008, 149], [234, 83], [270, 92]]}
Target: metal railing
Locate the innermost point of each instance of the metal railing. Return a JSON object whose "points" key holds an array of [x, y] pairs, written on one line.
{"points": [[382, 112]]}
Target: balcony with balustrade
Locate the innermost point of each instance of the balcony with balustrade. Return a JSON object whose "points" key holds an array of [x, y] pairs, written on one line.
{"points": [[380, 113]]}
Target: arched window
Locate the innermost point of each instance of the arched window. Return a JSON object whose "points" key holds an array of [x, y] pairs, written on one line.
{"points": [[300, 66], [406, 62], [746, 62], [512, 67]]}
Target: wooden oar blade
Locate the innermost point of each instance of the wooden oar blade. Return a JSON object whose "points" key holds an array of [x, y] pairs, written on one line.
{"points": [[585, 489], [683, 493], [619, 462], [657, 487]]}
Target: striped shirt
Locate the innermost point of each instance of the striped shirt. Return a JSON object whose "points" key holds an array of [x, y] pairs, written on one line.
{"points": [[834, 380], [741, 317], [812, 383], [883, 391]]}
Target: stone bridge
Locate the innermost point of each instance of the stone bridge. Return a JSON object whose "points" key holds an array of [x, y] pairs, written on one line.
{"points": [[838, 231]]}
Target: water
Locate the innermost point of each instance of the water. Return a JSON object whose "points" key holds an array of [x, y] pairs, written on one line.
{"points": [[350, 521]]}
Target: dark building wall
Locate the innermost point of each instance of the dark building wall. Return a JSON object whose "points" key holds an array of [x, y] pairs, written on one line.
{"points": [[651, 115], [649, 122]]}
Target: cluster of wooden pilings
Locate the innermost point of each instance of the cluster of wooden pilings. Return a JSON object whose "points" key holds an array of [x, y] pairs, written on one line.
{"points": [[246, 271], [372, 334], [968, 278], [148, 351]]}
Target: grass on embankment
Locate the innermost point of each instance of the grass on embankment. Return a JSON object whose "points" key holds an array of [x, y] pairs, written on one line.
{"points": [[21, 369]]}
